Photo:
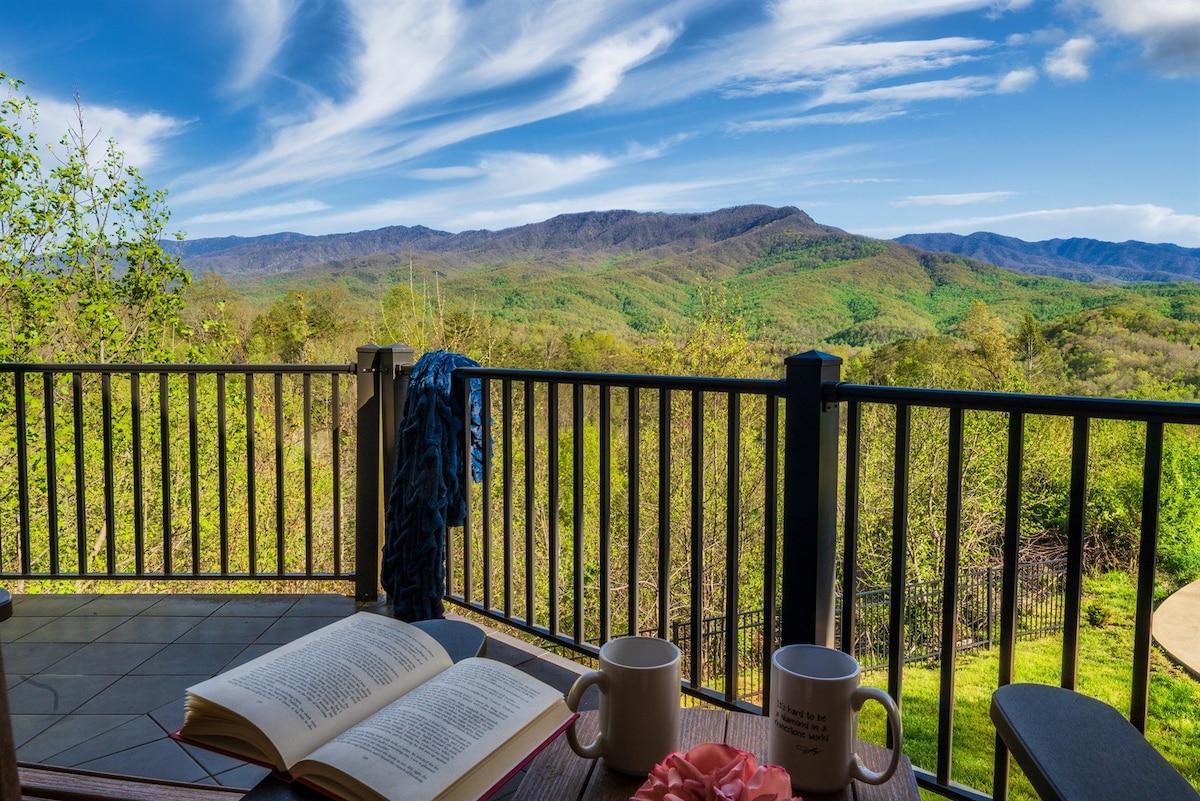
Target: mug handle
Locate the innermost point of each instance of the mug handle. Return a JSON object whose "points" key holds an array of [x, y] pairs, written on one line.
{"points": [[596, 748], [857, 769]]}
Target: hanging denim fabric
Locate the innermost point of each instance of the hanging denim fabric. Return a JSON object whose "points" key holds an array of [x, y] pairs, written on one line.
{"points": [[427, 494]]}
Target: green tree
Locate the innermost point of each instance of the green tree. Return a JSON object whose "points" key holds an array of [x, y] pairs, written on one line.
{"points": [[989, 346], [298, 324], [85, 277], [1033, 350], [214, 321]]}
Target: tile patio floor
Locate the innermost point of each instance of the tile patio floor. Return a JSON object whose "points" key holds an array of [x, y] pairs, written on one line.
{"points": [[97, 681]]}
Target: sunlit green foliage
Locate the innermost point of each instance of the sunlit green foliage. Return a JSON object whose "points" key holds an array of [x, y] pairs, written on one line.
{"points": [[85, 277]]}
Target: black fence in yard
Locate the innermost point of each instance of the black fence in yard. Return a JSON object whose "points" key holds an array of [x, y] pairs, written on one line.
{"points": [[1040, 610]]}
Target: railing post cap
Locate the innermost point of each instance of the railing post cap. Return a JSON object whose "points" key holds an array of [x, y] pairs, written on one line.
{"points": [[370, 348], [814, 356]]}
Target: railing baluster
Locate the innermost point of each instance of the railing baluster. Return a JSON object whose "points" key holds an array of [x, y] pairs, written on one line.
{"points": [[577, 444], [506, 412], [194, 462], [222, 475], [664, 510], [280, 508], [251, 484], [51, 470], [850, 548], [335, 446], [530, 507], [552, 501], [110, 493], [81, 541], [468, 552], [306, 388], [770, 544], [22, 436], [485, 400], [164, 441], [950, 595], [899, 582], [139, 516], [1147, 566], [633, 536], [697, 539], [733, 429], [605, 532]]}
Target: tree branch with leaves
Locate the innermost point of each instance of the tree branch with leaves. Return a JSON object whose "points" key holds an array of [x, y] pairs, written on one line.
{"points": [[85, 277]]}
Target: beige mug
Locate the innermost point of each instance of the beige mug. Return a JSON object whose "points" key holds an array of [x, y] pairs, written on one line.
{"points": [[639, 704], [815, 698]]}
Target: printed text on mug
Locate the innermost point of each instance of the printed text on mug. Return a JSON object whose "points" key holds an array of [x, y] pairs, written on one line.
{"points": [[798, 723]]}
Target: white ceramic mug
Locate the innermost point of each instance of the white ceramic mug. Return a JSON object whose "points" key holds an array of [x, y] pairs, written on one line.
{"points": [[639, 704], [815, 698]]}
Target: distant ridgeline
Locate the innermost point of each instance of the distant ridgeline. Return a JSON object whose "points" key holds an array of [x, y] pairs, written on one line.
{"points": [[1077, 259], [789, 278]]}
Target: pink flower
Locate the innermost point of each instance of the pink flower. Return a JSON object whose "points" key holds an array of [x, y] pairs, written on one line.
{"points": [[715, 772]]}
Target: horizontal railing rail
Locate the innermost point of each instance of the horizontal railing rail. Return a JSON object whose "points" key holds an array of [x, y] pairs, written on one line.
{"points": [[1129, 409], [146, 471]]}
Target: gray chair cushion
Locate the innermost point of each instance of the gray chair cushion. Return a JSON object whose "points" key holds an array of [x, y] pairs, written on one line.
{"points": [[1076, 748]]}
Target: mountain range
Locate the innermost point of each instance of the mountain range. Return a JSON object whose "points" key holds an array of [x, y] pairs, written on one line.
{"points": [[785, 277], [629, 231], [1075, 259]]}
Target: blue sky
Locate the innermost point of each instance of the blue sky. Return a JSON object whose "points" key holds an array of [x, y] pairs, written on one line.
{"points": [[1030, 118]]}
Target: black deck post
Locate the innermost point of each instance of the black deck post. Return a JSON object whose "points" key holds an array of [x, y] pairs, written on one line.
{"points": [[810, 470], [382, 385], [368, 515], [393, 388]]}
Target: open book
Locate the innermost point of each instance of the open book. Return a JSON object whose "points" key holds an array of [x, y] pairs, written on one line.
{"points": [[372, 709]]}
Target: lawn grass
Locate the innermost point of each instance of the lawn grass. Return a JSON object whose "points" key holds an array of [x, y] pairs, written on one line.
{"points": [[1105, 672]]}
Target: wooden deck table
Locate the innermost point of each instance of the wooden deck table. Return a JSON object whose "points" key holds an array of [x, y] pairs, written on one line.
{"points": [[558, 773]]}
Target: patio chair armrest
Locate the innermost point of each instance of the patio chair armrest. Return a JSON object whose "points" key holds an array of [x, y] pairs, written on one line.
{"points": [[1076, 748]]}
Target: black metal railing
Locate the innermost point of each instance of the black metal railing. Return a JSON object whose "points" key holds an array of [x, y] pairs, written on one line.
{"points": [[614, 503], [574, 566], [608, 504], [174, 471], [1011, 414]]}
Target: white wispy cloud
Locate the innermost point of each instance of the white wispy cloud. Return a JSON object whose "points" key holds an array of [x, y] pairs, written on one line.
{"points": [[1069, 62], [407, 82], [444, 56], [261, 25], [1110, 223], [445, 173], [791, 69], [274, 211], [561, 58], [958, 199], [857, 117], [492, 202], [142, 136], [1017, 81]]}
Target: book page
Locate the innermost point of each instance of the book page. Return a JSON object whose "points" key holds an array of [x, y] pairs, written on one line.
{"points": [[433, 736], [308, 691]]}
